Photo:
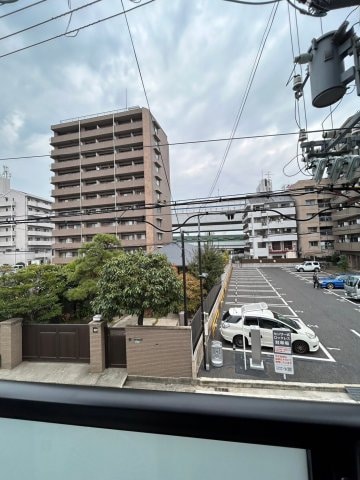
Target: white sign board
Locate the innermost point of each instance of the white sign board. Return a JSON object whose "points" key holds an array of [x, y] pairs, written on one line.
{"points": [[284, 364], [283, 359]]}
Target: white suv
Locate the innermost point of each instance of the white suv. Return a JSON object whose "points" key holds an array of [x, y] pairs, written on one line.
{"points": [[308, 267], [237, 322]]}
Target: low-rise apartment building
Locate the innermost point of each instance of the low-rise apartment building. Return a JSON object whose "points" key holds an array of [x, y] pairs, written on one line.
{"points": [[25, 227], [269, 223]]}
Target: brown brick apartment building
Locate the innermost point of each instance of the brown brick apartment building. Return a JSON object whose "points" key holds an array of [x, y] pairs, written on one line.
{"points": [[314, 218], [108, 170]]}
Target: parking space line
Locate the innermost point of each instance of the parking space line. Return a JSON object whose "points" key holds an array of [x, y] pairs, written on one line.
{"points": [[271, 354], [356, 333], [330, 357]]}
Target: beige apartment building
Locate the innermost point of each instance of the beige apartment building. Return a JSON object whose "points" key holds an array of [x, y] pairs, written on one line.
{"points": [[314, 217], [111, 175], [347, 227]]}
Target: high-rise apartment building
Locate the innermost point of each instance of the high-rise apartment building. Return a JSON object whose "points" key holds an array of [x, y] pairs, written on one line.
{"points": [[111, 175], [314, 215], [25, 231]]}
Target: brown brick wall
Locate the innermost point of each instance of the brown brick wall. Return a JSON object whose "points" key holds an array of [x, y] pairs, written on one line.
{"points": [[159, 351]]}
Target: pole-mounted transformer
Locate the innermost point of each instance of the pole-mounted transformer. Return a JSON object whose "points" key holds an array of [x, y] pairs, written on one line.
{"points": [[325, 57]]}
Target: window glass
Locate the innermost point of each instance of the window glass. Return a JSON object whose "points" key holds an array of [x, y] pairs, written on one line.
{"points": [[233, 319], [250, 321], [268, 323]]}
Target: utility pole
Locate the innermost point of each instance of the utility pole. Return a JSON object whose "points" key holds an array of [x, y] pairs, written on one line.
{"points": [[184, 277]]}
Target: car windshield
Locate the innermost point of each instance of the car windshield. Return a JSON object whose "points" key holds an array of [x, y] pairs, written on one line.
{"points": [[352, 281], [232, 319], [288, 321]]}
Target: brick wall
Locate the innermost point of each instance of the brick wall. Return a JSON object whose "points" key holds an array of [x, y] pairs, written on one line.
{"points": [[159, 351]]}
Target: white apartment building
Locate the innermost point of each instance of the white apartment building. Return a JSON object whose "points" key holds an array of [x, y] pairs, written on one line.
{"points": [[23, 240], [269, 222]]}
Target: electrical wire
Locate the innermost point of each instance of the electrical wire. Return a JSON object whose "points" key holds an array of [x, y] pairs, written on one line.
{"points": [[70, 12], [55, 37], [243, 2], [246, 93]]}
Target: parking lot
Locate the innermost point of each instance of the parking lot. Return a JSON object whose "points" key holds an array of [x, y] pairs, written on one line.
{"points": [[335, 319]]}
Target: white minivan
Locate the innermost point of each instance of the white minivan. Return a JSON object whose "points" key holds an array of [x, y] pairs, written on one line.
{"points": [[237, 322]]}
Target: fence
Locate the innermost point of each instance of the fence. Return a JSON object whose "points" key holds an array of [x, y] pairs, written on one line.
{"points": [[196, 323]]}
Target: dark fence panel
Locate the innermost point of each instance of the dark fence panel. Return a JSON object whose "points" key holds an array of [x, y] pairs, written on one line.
{"points": [[58, 343], [115, 347], [196, 324]]}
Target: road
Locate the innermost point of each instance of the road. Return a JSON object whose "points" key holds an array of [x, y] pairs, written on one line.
{"points": [[334, 319]]}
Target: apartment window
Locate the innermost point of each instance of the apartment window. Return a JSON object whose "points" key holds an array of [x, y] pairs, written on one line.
{"points": [[140, 236], [276, 245], [158, 181], [288, 245], [261, 244], [314, 244], [312, 229], [310, 202], [159, 236]]}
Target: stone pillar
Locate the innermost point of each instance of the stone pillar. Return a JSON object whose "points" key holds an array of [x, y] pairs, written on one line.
{"points": [[11, 342], [97, 346]]}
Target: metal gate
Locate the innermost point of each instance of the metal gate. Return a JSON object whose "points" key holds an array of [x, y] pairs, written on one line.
{"points": [[115, 347], [56, 343]]}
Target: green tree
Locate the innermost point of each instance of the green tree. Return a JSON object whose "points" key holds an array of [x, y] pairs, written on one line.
{"points": [[213, 263], [343, 263], [83, 273], [33, 293], [136, 282], [192, 293]]}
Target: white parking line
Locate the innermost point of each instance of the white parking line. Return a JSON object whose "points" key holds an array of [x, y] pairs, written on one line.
{"points": [[301, 357], [356, 333]]}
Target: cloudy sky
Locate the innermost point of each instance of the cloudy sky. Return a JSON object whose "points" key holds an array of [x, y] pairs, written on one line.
{"points": [[196, 58]]}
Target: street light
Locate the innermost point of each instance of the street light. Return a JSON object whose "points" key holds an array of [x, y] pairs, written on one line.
{"points": [[202, 275]]}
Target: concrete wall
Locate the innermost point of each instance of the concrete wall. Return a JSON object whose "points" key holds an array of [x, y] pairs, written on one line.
{"points": [[159, 351], [11, 343]]}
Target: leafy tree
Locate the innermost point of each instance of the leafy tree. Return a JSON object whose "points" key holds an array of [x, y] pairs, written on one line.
{"points": [[212, 262], [192, 293], [33, 293], [84, 272], [136, 282], [343, 263]]}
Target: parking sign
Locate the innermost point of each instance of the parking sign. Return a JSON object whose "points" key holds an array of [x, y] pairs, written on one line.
{"points": [[283, 359]]}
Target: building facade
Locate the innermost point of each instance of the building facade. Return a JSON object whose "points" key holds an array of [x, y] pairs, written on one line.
{"points": [[111, 175], [269, 223], [220, 225], [25, 227], [346, 228], [314, 214]]}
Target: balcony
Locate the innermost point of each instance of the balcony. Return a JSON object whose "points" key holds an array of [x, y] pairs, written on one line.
{"points": [[346, 213], [355, 228], [347, 247]]}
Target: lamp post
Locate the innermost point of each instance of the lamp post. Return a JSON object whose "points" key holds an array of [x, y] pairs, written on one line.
{"points": [[201, 277]]}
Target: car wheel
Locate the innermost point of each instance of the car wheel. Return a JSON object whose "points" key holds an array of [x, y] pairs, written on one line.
{"points": [[300, 347], [301, 269], [316, 270], [330, 286], [238, 341]]}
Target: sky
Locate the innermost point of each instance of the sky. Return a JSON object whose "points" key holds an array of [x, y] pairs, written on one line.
{"points": [[195, 57]]}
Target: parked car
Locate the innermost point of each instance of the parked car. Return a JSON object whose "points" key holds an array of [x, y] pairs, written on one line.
{"points": [[333, 281], [352, 287], [237, 322], [309, 266]]}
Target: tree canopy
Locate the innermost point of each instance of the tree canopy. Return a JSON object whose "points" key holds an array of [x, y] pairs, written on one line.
{"points": [[136, 282], [83, 273], [213, 263]]}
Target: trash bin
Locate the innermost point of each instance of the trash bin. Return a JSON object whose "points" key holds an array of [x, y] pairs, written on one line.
{"points": [[216, 354]]}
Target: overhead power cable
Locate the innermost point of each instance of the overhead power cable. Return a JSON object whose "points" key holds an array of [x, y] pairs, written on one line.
{"points": [[76, 29], [210, 140], [243, 2], [69, 12], [246, 92]]}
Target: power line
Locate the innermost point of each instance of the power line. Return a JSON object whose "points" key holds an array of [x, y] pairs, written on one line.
{"points": [[246, 93], [75, 30], [69, 12], [242, 2]]}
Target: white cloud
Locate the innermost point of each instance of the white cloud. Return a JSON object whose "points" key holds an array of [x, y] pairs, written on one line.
{"points": [[195, 59]]}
